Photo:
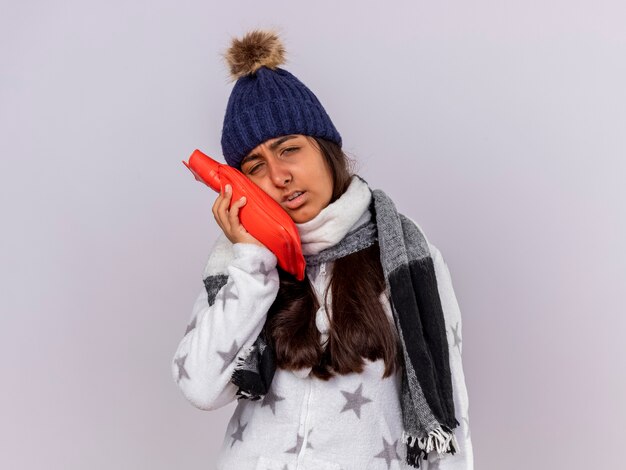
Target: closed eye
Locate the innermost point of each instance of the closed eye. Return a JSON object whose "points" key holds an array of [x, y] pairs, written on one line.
{"points": [[254, 168], [289, 149]]}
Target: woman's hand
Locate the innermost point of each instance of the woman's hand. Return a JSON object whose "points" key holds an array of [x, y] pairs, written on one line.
{"points": [[228, 219]]}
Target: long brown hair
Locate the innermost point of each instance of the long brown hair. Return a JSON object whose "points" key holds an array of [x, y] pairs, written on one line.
{"points": [[358, 328]]}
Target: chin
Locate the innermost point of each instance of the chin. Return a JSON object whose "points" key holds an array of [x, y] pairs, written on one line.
{"points": [[304, 217], [299, 219]]}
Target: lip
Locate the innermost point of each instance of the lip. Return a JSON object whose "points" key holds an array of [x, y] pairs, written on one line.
{"points": [[297, 202], [287, 196]]}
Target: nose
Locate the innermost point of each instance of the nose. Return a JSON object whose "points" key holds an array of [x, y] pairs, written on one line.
{"points": [[279, 173]]}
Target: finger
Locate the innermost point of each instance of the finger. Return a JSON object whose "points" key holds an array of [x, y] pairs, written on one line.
{"points": [[221, 216], [218, 218], [234, 212], [225, 202], [219, 198], [224, 220], [217, 204], [225, 194]]}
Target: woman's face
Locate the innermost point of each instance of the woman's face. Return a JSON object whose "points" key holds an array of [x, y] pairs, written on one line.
{"points": [[284, 165]]}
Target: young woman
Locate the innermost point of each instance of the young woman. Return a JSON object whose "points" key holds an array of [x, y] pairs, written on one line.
{"points": [[356, 367]]}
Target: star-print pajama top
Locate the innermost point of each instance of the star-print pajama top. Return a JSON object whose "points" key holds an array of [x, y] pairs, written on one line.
{"points": [[350, 422]]}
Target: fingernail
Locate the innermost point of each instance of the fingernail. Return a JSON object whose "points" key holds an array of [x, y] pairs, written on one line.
{"points": [[228, 188]]}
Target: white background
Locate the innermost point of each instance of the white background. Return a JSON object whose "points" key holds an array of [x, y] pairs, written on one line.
{"points": [[498, 125]]}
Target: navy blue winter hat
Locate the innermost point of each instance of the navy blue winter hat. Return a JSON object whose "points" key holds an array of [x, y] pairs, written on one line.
{"points": [[267, 101]]}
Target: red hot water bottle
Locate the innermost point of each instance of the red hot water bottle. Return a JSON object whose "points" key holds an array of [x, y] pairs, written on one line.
{"points": [[261, 216]]}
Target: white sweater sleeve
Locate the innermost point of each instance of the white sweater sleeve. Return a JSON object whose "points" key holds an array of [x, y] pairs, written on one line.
{"points": [[220, 330], [463, 459]]}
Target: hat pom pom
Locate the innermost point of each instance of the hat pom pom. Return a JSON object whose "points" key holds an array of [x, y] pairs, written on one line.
{"points": [[258, 48]]}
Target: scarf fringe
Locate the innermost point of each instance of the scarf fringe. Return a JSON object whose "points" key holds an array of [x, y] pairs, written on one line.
{"points": [[240, 362], [439, 439], [242, 357], [242, 394]]}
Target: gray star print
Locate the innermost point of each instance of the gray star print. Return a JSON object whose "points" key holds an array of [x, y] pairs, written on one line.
{"points": [[354, 401], [238, 410], [457, 337], [299, 440], [238, 434], [182, 372], [389, 452], [270, 400], [229, 356], [191, 326]]}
